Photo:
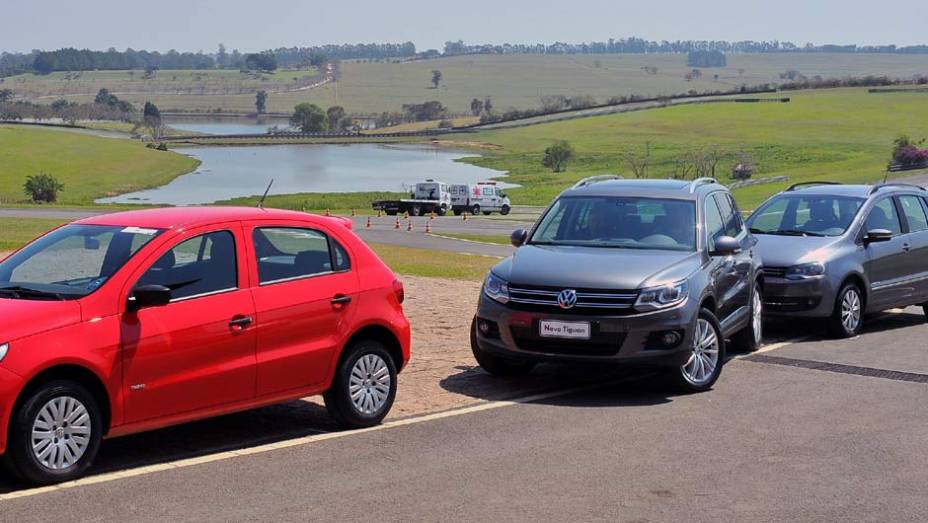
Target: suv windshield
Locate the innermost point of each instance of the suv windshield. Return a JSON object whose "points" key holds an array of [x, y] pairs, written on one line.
{"points": [[805, 215], [70, 262], [625, 222]]}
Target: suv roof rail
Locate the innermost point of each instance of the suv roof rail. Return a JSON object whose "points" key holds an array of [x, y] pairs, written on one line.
{"points": [[596, 179], [795, 186], [698, 182], [879, 186]]}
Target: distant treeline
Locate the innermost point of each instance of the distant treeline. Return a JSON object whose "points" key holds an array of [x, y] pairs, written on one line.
{"points": [[298, 56], [70, 59], [639, 46]]}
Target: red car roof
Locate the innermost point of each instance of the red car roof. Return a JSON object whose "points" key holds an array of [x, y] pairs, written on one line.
{"points": [[182, 217]]}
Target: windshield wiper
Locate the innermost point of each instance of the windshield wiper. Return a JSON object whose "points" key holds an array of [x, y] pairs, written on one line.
{"points": [[796, 232], [18, 291]]}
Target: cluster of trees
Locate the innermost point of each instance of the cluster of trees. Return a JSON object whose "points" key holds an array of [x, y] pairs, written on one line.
{"points": [[318, 55], [106, 106], [71, 59], [640, 45], [479, 107], [908, 153], [265, 61], [817, 82], [310, 118], [706, 58]]}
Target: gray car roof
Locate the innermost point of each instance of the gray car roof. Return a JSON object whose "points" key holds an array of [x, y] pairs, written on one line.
{"points": [[676, 189], [859, 191]]}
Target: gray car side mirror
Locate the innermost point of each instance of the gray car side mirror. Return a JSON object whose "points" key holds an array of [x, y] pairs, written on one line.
{"points": [[878, 235], [518, 237], [726, 246]]}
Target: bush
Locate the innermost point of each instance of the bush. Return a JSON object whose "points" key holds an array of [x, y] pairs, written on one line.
{"points": [[907, 153], [43, 188], [557, 156], [445, 124]]}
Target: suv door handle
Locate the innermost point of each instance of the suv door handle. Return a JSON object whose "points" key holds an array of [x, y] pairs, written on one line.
{"points": [[341, 299], [240, 322], [906, 247]]}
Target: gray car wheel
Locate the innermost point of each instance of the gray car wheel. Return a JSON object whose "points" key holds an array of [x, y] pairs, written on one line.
{"points": [[706, 357], [848, 316], [751, 337]]}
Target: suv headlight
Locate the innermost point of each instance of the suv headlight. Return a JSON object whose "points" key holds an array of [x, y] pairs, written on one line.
{"points": [[496, 288], [806, 270], [662, 297], [4, 348]]}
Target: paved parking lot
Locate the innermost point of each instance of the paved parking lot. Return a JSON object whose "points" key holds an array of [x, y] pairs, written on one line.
{"points": [[818, 429]]}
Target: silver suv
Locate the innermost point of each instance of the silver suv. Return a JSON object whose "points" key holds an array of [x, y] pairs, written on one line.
{"points": [[651, 273], [840, 251]]}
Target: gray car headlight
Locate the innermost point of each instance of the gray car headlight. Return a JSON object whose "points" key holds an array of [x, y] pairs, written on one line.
{"points": [[496, 288], [662, 297], [4, 348], [806, 270]]}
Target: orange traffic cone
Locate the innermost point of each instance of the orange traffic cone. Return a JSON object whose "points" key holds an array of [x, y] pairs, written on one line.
{"points": [[432, 216], [409, 226], [397, 224], [379, 213], [406, 215], [465, 216], [353, 213], [428, 227], [368, 222], [327, 213]]}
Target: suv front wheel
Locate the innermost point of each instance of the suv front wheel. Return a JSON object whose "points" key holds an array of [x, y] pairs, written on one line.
{"points": [[707, 355]]}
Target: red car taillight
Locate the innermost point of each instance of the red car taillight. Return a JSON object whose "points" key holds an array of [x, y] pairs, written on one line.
{"points": [[399, 291]]}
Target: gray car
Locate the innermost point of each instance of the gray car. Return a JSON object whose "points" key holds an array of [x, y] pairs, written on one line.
{"points": [[840, 251], [655, 273]]}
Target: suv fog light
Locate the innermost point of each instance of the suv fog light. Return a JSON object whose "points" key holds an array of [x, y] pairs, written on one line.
{"points": [[488, 328], [669, 339], [664, 340]]}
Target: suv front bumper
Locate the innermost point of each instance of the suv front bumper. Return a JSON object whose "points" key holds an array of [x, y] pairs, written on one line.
{"points": [[628, 340]]}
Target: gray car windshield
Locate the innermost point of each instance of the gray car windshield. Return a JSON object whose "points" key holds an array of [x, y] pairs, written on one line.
{"points": [[805, 215], [70, 262], [619, 222]]}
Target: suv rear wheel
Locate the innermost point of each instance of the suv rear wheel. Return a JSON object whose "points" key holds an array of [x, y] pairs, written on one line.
{"points": [[493, 364], [707, 356], [56, 433], [750, 338], [505, 210], [847, 318], [364, 387]]}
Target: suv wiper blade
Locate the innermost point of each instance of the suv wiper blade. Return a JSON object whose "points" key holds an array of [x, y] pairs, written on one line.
{"points": [[18, 291], [795, 232]]}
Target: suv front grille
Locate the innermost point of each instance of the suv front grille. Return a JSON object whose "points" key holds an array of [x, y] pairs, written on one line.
{"points": [[588, 300], [775, 272]]}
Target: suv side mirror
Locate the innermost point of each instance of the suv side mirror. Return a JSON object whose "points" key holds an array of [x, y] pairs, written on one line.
{"points": [[726, 246], [878, 235], [518, 237], [145, 296]]}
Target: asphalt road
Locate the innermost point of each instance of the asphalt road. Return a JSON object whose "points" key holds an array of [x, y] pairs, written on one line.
{"points": [[816, 430]]}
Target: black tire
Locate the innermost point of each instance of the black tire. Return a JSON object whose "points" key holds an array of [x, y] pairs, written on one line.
{"points": [[415, 211], [676, 375], [836, 323], [338, 398], [925, 310], [20, 457], [443, 210], [751, 338], [493, 364], [458, 212], [505, 210], [487, 213], [475, 210]]}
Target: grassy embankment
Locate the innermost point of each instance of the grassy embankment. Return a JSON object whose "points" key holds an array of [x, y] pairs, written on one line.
{"points": [[510, 80]]}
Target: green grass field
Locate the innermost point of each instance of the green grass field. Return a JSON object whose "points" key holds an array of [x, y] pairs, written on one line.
{"points": [[841, 134], [90, 167], [510, 80], [14, 232]]}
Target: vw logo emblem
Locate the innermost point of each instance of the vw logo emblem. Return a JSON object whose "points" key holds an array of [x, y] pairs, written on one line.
{"points": [[567, 298]]}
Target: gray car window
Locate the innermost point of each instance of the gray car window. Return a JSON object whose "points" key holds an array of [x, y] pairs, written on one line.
{"points": [[912, 207], [715, 227], [884, 216], [730, 215]]}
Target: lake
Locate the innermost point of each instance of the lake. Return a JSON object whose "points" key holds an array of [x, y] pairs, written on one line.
{"points": [[230, 172]]}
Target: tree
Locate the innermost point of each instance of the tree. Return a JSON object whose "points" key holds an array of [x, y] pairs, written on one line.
{"points": [[488, 105], [638, 162], [557, 156], [6, 95], [706, 59], [265, 61], [436, 78], [425, 111], [222, 57], [706, 161], [261, 101], [43, 187], [309, 118], [151, 118], [335, 116], [476, 107]]}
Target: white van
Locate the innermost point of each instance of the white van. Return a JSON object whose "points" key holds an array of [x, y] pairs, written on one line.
{"points": [[482, 197]]}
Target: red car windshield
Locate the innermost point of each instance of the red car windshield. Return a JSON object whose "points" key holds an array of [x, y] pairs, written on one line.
{"points": [[70, 262]]}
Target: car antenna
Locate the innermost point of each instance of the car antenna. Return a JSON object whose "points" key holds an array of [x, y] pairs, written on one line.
{"points": [[264, 196]]}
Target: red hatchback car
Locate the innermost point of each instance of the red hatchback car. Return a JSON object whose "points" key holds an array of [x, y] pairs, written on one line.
{"points": [[133, 321]]}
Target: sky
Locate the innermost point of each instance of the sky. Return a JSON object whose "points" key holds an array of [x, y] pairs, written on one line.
{"points": [[193, 25]]}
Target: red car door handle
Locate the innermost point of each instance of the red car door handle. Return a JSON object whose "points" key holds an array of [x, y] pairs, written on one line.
{"points": [[341, 299], [240, 322]]}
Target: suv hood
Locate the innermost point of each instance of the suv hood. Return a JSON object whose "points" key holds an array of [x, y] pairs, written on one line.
{"points": [[786, 251], [595, 268], [22, 318]]}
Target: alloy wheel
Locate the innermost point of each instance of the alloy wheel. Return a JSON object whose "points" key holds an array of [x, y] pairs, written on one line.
{"points": [[369, 384], [850, 310], [61, 433], [698, 370], [757, 320]]}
